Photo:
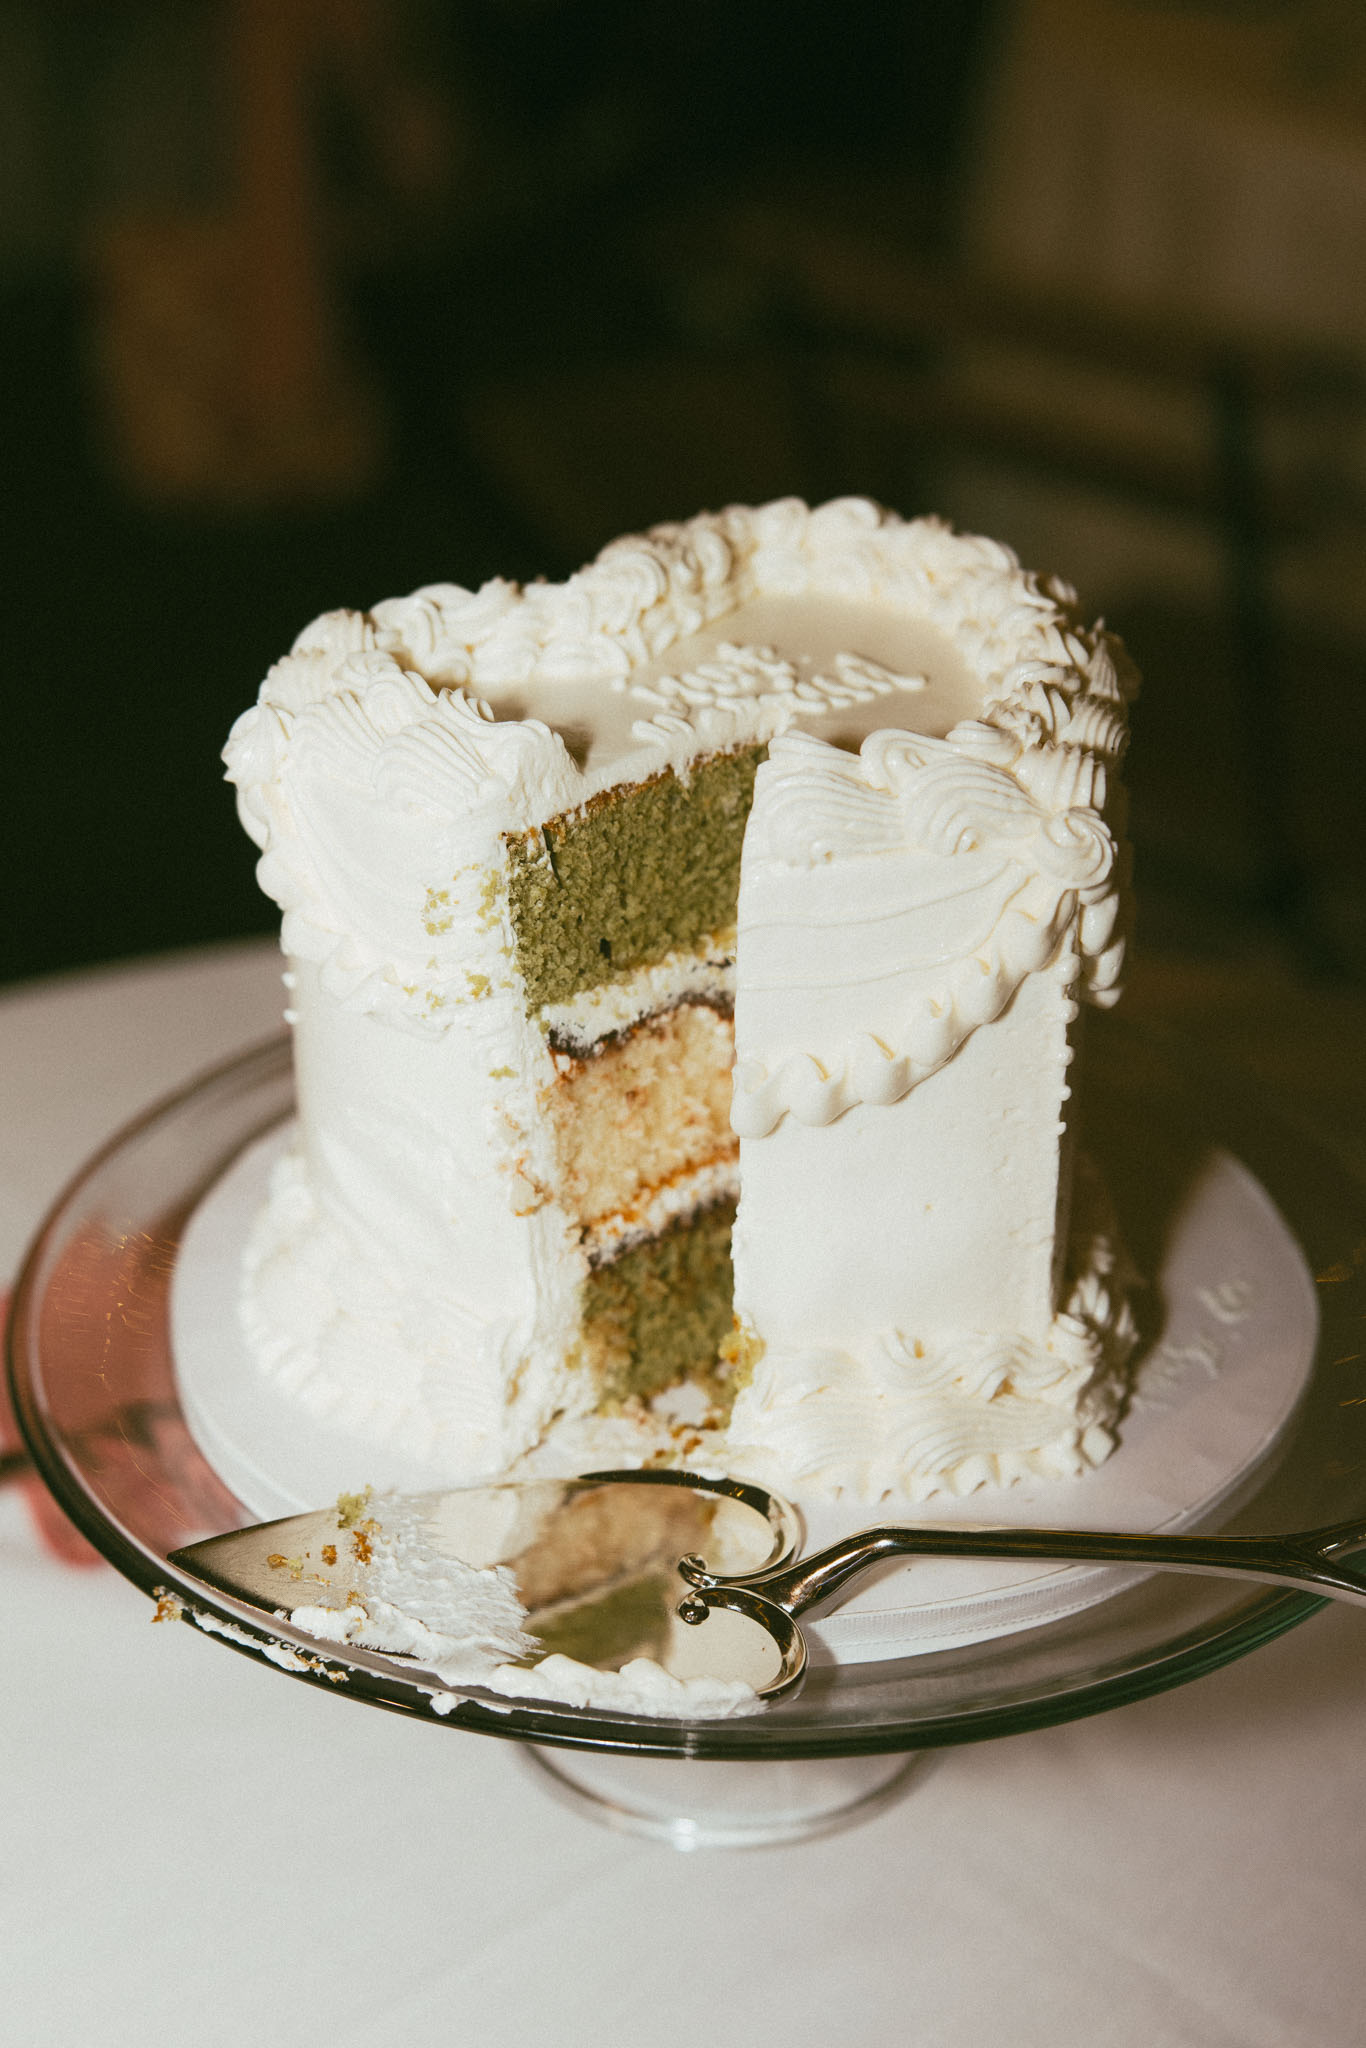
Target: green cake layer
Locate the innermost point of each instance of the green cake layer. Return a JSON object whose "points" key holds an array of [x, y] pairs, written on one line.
{"points": [[660, 1312], [635, 874]]}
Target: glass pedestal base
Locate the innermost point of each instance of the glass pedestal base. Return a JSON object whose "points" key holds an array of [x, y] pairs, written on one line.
{"points": [[696, 1803]]}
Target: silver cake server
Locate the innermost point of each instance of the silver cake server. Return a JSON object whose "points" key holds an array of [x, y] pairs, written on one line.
{"points": [[597, 1564], [593, 1562]]}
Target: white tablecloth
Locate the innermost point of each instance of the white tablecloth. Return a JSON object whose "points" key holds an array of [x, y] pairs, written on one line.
{"points": [[197, 1851]]}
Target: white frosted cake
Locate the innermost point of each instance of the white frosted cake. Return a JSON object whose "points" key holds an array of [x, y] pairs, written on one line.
{"points": [[765, 862]]}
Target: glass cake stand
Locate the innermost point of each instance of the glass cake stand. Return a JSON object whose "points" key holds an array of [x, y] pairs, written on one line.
{"points": [[95, 1392]]}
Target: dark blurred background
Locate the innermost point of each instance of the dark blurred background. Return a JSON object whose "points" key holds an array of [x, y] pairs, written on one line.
{"points": [[308, 302]]}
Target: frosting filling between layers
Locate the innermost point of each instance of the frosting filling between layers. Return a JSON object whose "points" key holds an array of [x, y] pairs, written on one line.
{"points": [[705, 974]]}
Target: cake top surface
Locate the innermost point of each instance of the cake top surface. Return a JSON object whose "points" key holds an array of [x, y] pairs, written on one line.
{"points": [[838, 666], [725, 629], [392, 753]]}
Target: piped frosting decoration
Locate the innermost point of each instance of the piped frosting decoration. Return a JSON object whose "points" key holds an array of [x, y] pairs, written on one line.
{"points": [[388, 746], [994, 848]]}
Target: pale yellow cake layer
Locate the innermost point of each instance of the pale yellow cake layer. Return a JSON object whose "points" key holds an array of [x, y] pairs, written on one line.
{"points": [[648, 1107]]}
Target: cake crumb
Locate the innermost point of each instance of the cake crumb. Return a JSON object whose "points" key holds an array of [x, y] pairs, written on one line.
{"points": [[488, 900], [740, 1352], [169, 1607], [351, 1507], [434, 923]]}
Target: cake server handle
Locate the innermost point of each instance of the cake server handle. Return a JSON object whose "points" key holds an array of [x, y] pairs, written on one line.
{"points": [[1308, 1561]]}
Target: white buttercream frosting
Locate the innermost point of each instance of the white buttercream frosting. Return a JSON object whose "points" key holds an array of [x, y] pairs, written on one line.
{"points": [[641, 1686], [932, 878], [913, 1416], [893, 903]]}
